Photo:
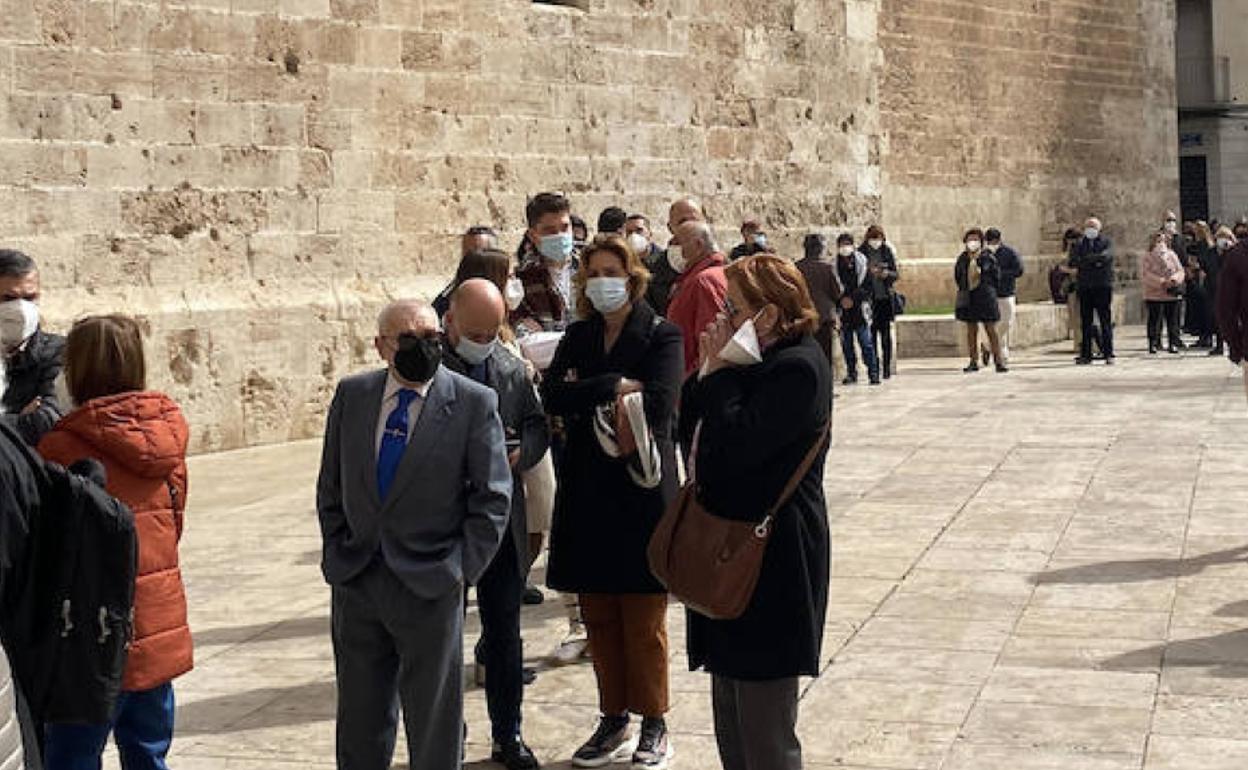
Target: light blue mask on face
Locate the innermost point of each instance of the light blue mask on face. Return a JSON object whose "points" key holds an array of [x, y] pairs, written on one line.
{"points": [[607, 295], [475, 353], [557, 247]]}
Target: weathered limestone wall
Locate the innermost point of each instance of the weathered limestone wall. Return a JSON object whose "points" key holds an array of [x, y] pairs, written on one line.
{"points": [[255, 177], [1028, 116]]}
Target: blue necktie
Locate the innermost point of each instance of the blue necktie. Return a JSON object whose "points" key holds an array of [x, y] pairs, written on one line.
{"points": [[394, 442]]}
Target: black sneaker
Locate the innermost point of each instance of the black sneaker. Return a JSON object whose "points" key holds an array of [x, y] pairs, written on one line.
{"points": [[850, 381], [609, 743], [1083, 361], [533, 596], [655, 747], [514, 755], [1002, 369], [528, 675], [875, 381], [1109, 360], [971, 367]]}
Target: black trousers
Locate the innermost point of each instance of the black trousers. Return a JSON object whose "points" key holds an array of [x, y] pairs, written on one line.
{"points": [[1169, 311], [1096, 304], [882, 331], [499, 595]]}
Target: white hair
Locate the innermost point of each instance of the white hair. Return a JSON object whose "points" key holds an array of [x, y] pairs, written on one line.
{"points": [[400, 306]]}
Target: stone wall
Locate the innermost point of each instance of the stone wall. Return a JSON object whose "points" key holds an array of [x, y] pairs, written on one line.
{"points": [[255, 177], [1028, 116]]}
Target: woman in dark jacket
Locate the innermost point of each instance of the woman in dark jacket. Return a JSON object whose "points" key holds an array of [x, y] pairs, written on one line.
{"points": [[1201, 252], [977, 276], [603, 516], [752, 414], [882, 262]]}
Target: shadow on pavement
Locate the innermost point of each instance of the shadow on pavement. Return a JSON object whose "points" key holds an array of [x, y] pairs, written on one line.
{"points": [[1225, 655], [276, 631], [1141, 570], [255, 709]]}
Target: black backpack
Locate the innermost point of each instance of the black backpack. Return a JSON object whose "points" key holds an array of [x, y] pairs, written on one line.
{"points": [[70, 616]]}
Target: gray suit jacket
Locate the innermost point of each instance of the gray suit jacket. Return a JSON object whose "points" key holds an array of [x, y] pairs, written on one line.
{"points": [[445, 515]]}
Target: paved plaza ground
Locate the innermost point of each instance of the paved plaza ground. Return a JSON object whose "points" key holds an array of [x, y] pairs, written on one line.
{"points": [[1037, 571]]}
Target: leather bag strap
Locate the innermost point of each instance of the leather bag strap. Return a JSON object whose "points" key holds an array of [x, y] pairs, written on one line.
{"points": [[824, 435]]}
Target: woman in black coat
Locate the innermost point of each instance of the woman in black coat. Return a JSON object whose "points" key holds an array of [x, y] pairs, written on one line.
{"points": [[977, 276], [751, 420], [604, 517], [882, 262]]}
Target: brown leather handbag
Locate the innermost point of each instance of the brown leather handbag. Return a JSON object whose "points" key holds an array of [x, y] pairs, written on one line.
{"points": [[711, 564]]}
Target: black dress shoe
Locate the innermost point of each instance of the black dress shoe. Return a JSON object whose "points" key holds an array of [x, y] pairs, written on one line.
{"points": [[528, 675], [514, 755], [533, 596]]}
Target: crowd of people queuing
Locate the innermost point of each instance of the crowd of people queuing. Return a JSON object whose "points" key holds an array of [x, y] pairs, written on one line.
{"points": [[564, 391]]}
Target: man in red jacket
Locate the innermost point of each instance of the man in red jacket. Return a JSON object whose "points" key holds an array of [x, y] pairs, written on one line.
{"points": [[1233, 304], [701, 287]]}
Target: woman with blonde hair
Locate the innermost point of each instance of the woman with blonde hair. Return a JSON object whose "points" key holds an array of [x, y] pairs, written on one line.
{"points": [[140, 437], [613, 488]]}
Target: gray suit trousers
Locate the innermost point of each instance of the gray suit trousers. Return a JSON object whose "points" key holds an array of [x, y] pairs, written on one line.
{"points": [[394, 648], [756, 723]]}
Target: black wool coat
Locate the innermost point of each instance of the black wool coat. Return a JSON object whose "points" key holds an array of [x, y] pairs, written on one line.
{"points": [[983, 307], [32, 374], [603, 520], [757, 423]]}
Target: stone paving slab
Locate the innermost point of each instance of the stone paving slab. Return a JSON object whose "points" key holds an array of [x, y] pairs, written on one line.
{"points": [[1041, 571]]}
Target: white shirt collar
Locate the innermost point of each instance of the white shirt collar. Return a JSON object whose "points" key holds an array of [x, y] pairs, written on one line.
{"points": [[393, 386]]}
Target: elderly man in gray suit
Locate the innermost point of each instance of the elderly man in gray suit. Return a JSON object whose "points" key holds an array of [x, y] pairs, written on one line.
{"points": [[413, 499]]}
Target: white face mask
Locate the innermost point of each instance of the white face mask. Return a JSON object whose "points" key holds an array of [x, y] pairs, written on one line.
{"points": [[638, 243], [1224, 243], [1172, 226], [972, 246], [743, 349], [1091, 233], [845, 251], [875, 243], [473, 352], [676, 258], [514, 293], [19, 320]]}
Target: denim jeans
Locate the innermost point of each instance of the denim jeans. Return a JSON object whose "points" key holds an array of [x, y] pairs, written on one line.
{"points": [[142, 727], [863, 334]]}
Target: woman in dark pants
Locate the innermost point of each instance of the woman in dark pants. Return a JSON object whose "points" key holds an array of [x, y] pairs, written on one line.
{"points": [[751, 419], [882, 262], [603, 518], [977, 275]]}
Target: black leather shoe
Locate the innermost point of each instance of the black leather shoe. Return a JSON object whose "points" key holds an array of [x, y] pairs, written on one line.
{"points": [[533, 596], [514, 755], [528, 675]]}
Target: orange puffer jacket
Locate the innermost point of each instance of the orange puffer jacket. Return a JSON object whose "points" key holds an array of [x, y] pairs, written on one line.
{"points": [[141, 439]]}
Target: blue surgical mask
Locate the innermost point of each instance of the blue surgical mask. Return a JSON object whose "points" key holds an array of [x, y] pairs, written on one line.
{"points": [[760, 241], [557, 247], [607, 295], [475, 353]]}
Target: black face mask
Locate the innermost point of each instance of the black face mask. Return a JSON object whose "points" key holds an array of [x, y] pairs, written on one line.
{"points": [[418, 358]]}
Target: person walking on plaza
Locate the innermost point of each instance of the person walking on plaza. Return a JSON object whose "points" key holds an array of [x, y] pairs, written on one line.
{"points": [[140, 437], [857, 289], [1092, 258], [547, 265], [605, 514], [474, 349], [882, 262], [1162, 277], [977, 276], [413, 499], [30, 358], [1232, 307], [699, 292], [760, 403], [1011, 265], [825, 288]]}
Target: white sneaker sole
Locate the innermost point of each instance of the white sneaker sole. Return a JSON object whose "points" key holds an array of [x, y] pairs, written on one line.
{"points": [[621, 755], [663, 765]]}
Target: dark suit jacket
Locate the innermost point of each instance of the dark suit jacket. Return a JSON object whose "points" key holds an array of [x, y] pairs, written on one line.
{"points": [[32, 374], [523, 420], [445, 515]]}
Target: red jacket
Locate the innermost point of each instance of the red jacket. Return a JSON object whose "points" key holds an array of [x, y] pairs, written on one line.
{"points": [[1233, 301], [141, 439], [696, 300]]}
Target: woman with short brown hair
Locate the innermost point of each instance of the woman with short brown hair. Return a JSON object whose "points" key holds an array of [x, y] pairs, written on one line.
{"points": [[759, 405], [141, 439]]}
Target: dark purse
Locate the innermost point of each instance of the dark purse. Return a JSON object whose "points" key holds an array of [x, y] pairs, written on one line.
{"points": [[711, 564], [899, 303]]}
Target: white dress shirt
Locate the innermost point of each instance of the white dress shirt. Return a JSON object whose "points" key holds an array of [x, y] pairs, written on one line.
{"points": [[390, 400]]}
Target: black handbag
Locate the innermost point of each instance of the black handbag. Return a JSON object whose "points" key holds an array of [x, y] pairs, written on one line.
{"points": [[899, 303]]}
